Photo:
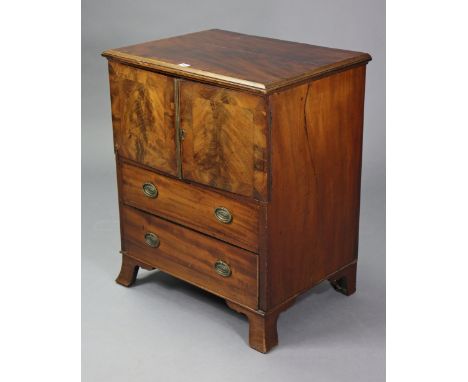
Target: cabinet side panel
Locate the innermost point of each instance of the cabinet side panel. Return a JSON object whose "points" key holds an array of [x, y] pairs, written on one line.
{"points": [[313, 217]]}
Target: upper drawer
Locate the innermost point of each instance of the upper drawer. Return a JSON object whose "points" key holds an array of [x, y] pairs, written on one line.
{"points": [[191, 206], [143, 116], [224, 143]]}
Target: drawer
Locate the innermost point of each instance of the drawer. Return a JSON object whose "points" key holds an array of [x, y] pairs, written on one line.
{"points": [[220, 268], [191, 206]]}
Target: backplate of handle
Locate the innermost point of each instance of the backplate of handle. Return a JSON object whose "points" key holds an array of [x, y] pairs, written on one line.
{"points": [[152, 240], [150, 190], [222, 268], [223, 215]]}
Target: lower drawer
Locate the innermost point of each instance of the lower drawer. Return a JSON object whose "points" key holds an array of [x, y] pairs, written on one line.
{"points": [[211, 264]]}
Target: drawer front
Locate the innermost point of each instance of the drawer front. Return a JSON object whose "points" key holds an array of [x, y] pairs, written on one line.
{"points": [[218, 267], [191, 206], [143, 116], [224, 143]]}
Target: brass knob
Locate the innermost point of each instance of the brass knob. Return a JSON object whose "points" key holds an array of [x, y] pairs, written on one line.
{"points": [[223, 215], [150, 190], [152, 240], [222, 268]]}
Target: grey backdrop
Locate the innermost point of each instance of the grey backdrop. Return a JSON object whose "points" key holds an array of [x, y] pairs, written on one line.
{"points": [[165, 330]]}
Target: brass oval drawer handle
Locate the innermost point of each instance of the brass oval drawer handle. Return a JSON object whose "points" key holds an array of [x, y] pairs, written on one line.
{"points": [[222, 268], [152, 240], [223, 215], [150, 190]]}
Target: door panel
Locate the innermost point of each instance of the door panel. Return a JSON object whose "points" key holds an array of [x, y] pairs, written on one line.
{"points": [[224, 142], [143, 116]]}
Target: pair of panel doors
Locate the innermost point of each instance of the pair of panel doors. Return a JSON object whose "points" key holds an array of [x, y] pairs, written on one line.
{"points": [[198, 132]]}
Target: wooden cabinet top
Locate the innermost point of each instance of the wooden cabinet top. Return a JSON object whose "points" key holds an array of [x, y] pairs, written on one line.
{"points": [[238, 60]]}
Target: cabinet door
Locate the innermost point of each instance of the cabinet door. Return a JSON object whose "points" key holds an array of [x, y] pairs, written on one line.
{"points": [[143, 116], [224, 143]]}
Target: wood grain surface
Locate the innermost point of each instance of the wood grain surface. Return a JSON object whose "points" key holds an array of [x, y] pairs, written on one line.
{"points": [[313, 218], [191, 256], [143, 116], [224, 142], [234, 59], [192, 206], [272, 131]]}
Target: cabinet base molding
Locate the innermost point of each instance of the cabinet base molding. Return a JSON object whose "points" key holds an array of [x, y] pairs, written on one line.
{"points": [[263, 332]]}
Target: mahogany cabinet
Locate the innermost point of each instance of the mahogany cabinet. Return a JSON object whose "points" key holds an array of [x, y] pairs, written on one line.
{"points": [[239, 166]]}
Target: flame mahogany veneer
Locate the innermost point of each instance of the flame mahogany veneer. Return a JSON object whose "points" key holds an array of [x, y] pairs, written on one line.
{"points": [[239, 167]]}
